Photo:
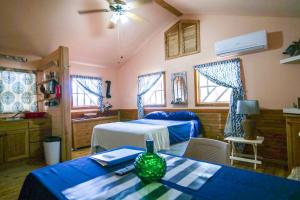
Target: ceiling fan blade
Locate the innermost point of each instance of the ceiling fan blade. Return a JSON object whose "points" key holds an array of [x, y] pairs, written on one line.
{"points": [[92, 11], [111, 25], [137, 3], [134, 17], [120, 2], [116, 2], [168, 7], [110, 1]]}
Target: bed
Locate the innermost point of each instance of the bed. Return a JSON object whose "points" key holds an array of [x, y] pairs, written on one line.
{"points": [[163, 128]]}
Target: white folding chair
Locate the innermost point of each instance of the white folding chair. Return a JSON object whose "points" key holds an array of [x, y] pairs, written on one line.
{"points": [[209, 150]]}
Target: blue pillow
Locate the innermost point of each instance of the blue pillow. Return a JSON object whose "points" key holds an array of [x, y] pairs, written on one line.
{"points": [[182, 116], [157, 115]]}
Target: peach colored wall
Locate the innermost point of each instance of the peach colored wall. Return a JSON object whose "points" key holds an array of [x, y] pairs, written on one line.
{"points": [[105, 74], [273, 84]]}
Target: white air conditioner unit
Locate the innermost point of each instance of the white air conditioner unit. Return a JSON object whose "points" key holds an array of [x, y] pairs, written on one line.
{"points": [[242, 44]]}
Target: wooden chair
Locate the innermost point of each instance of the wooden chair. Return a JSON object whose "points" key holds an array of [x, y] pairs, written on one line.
{"points": [[209, 150]]}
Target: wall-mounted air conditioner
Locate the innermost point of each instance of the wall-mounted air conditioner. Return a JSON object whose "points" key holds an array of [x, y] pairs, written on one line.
{"points": [[242, 44]]}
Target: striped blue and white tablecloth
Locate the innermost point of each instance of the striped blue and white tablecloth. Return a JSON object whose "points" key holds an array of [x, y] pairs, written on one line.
{"points": [[180, 171], [56, 181]]}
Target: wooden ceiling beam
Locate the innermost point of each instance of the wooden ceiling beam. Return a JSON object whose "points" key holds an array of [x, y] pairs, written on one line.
{"points": [[168, 7]]}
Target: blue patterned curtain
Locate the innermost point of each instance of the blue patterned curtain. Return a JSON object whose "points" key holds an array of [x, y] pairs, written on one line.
{"points": [[227, 73], [145, 83], [91, 85], [17, 91]]}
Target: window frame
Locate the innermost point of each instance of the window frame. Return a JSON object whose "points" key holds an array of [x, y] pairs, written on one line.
{"points": [[165, 96], [198, 102], [79, 107]]}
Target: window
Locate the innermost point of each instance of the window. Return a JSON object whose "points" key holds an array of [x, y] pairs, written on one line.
{"points": [[17, 91], [182, 39], [157, 94], [209, 93], [82, 98]]}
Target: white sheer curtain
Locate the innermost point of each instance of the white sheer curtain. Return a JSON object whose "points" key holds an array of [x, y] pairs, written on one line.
{"points": [[145, 83]]}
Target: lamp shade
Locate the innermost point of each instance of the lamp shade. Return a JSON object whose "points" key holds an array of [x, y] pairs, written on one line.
{"points": [[247, 107]]}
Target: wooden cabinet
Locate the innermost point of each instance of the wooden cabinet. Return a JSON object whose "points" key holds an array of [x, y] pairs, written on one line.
{"points": [[293, 140], [1, 149], [23, 138], [36, 137], [16, 145], [82, 129]]}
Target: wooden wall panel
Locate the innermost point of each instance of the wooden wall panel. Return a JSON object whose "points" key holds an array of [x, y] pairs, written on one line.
{"points": [[270, 124], [128, 114], [79, 113]]}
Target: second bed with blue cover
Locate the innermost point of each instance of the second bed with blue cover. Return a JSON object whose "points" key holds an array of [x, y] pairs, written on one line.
{"points": [[182, 125], [179, 131]]}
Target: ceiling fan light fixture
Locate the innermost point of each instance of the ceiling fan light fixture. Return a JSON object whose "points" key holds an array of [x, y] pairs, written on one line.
{"points": [[124, 18], [115, 18]]}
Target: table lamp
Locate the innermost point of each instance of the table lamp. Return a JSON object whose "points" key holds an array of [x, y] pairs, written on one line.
{"points": [[248, 107]]}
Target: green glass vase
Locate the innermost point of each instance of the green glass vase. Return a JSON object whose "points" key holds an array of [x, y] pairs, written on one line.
{"points": [[149, 166]]}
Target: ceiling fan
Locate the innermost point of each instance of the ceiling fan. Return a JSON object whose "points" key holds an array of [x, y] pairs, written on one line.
{"points": [[121, 10]]}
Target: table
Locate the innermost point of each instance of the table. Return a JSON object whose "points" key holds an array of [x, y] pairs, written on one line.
{"points": [[254, 143], [227, 183]]}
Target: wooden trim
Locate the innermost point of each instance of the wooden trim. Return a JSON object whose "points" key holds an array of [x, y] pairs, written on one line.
{"points": [[155, 106], [195, 110], [196, 86], [81, 107], [51, 58], [212, 105], [169, 7], [66, 108]]}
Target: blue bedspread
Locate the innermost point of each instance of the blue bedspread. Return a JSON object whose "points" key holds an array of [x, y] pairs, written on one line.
{"points": [[227, 184], [179, 131]]}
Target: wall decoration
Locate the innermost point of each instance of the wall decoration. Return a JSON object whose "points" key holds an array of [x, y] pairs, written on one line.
{"points": [[108, 84], [179, 88]]}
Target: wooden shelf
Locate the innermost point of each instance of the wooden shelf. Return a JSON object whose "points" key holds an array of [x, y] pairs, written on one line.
{"points": [[291, 60]]}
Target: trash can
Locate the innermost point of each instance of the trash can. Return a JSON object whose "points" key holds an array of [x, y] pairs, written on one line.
{"points": [[52, 150]]}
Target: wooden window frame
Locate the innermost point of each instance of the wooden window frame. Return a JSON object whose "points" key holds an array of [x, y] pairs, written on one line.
{"points": [[198, 102], [165, 96], [179, 28], [79, 107]]}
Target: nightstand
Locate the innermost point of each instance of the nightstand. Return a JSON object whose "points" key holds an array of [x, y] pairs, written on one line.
{"points": [[244, 158]]}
